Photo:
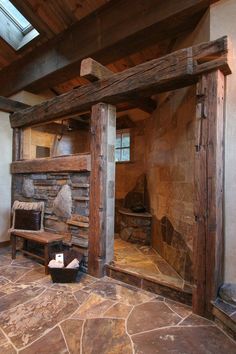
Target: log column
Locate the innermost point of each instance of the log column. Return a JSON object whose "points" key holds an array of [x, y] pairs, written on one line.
{"points": [[209, 182], [102, 188]]}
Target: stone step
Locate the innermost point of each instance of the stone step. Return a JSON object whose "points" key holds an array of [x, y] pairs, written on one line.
{"points": [[149, 284], [225, 316]]}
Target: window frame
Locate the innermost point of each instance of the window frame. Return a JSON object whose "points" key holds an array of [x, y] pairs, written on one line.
{"points": [[18, 36], [123, 131]]}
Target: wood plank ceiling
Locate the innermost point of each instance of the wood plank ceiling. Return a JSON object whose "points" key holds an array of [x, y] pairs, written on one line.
{"points": [[52, 17]]}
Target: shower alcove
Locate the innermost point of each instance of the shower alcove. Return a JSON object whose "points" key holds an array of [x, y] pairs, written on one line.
{"points": [[176, 248]]}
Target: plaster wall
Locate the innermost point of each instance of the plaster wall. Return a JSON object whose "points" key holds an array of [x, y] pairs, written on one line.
{"points": [[222, 22], [5, 177]]}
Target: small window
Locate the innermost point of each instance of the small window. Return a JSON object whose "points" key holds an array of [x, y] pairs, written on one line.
{"points": [[122, 146]]}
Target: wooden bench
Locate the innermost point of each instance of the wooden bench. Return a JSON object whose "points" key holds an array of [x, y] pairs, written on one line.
{"points": [[43, 238]]}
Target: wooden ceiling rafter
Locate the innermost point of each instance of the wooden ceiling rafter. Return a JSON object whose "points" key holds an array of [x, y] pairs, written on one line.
{"points": [[179, 69], [114, 31], [9, 106]]}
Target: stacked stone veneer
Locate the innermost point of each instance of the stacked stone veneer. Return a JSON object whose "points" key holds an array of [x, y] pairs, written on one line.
{"points": [[66, 198]]}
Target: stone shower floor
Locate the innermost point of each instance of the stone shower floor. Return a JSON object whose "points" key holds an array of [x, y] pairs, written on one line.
{"points": [[145, 261], [95, 316]]}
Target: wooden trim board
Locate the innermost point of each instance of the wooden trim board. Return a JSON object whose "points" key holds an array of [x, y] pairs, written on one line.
{"points": [[72, 163]]}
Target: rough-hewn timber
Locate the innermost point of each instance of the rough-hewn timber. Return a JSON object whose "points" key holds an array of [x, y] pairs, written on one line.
{"points": [[94, 71], [80, 162], [102, 184], [172, 71], [208, 247], [111, 33], [10, 106]]}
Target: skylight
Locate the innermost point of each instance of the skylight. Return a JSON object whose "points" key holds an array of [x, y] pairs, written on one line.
{"points": [[15, 29]]}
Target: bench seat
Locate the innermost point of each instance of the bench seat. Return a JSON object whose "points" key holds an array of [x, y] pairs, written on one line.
{"points": [[46, 239]]}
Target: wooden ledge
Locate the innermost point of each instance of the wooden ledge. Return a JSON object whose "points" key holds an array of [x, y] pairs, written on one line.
{"points": [[71, 163]]}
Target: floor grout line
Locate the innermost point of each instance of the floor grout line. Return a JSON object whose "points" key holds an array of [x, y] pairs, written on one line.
{"points": [[81, 337], [171, 326], [8, 339], [64, 338], [172, 310]]}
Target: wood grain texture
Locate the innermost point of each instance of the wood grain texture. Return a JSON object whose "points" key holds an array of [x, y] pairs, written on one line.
{"points": [[200, 202], [8, 105], [172, 71], [80, 162], [112, 32], [94, 71], [209, 165], [215, 174], [98, 212], [17, 144]]}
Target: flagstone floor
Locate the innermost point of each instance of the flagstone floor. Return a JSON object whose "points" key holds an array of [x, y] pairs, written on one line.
{"points": [[95, 317], [145, 261]]}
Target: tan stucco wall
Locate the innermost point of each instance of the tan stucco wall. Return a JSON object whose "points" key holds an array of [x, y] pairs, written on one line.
{"points": [[223, 22]]}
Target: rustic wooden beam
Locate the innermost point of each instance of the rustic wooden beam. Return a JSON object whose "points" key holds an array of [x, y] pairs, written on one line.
{"points": [[209, 167], [102, 188], [215, 185], [200, 203], [8, 105], [94, 71], [172, 71], [71, 163], [69, 125], [16, 144], [111, 33]]}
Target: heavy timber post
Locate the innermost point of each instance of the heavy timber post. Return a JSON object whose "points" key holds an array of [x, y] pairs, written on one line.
{"points": [[209, 167], [102, 188]]}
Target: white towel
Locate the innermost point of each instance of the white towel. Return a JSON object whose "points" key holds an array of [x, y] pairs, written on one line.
{"points": [[73, 264], [54, 264]]}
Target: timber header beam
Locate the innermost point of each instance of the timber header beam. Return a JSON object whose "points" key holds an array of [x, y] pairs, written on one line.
{"points": [[94, 71], [179, 69], [111, 33]]}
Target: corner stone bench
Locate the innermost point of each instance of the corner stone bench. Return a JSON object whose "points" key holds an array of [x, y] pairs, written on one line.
{"points": [[46, 239]]}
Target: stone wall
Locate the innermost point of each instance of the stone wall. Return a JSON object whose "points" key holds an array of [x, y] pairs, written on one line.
{"points": [[66, 198], [170, 176]]}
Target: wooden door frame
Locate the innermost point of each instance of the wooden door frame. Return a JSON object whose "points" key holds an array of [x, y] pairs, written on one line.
{"points": [[209, 187]]}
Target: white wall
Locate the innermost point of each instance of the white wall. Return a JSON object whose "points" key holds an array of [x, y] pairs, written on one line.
{"points": [[5, 177], [223, 22]]}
